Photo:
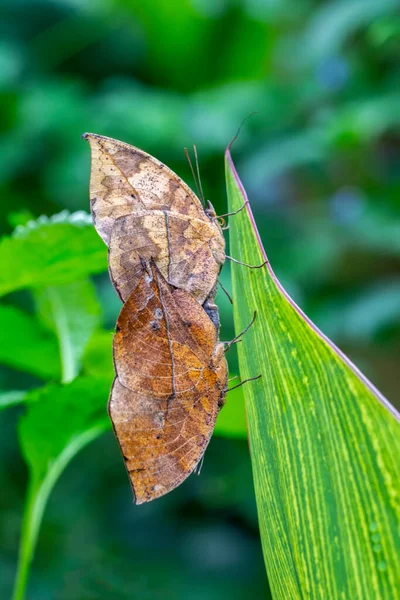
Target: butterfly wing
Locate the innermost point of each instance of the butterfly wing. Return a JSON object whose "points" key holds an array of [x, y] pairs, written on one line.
{"points": [[188, 251], [124, 180]]}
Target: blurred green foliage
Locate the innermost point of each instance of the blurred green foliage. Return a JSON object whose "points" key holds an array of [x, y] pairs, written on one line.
{"points": [[321, 163]]}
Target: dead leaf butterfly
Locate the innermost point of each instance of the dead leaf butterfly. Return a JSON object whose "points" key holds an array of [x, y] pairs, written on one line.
{"points": [[171, 381], [142, 208]]}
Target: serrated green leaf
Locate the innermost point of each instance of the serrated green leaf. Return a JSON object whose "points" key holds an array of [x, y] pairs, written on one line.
{"points": [[50, 251], [60, 420], [72, 312], [325, 445], [25, 345]]}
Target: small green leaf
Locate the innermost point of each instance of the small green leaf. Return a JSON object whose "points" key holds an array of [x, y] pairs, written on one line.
{"points": [[72, 312], [25, 345], [60, 420], [50, 251], [325, 444]]}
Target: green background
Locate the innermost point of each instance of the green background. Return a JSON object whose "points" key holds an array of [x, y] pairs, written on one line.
{"points": [[321, 163]]}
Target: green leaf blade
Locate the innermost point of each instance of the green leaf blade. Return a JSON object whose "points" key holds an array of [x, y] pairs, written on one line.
{"points": [[324, 445]]}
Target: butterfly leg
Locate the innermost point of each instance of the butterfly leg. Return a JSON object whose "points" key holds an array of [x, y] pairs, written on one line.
{"points": [[238, 337], [226, 291], [245, 264], [243, 382], [235, 212]]}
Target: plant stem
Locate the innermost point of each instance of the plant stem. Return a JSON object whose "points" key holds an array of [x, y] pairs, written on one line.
{"points": [[27, 544], [36, 500]]}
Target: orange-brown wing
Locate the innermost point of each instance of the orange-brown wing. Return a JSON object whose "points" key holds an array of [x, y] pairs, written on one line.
{"points": [[171, 381], [124, 180], [189, 252]]}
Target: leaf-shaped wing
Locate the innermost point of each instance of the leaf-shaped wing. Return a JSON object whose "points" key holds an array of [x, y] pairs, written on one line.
{"points": [[124, 180], [189, 252], [140, 206]]}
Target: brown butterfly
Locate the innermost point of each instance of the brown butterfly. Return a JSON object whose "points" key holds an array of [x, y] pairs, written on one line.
{"points": [[142, 208], [171, 381]]}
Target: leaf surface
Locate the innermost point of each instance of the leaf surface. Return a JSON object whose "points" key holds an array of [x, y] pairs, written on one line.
{"points": [[97, 359], [325, 445], [56, 415], [50, 251], [72, 312], [25, 345]]}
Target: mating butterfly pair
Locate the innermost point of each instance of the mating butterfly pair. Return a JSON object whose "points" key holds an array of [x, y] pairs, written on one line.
{"points": [[165, 254]]}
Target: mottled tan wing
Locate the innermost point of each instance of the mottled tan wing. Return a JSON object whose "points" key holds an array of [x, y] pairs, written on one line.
{"points": [[171, 381], [124, 180], [189, 252]]}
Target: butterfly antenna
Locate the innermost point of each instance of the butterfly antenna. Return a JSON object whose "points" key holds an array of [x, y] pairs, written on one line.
{"points": [[198, 174], [198, 189]]}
